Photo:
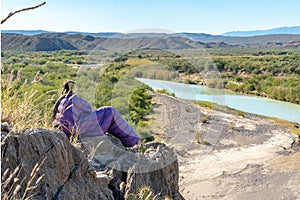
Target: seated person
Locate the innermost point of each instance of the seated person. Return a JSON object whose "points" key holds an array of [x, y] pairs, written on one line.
{"points": [[72, 115]]}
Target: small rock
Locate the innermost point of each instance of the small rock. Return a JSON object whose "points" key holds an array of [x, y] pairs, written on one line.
{"points": [[6, 127], [104, 178], [3, 135], [296, 144]]}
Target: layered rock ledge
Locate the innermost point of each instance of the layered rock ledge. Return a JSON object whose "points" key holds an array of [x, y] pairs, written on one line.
{"points": [[67, 172]]}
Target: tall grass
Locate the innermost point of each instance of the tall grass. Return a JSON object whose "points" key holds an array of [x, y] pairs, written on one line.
{"points": [[15, 187], [146, 193], [22, 104]]}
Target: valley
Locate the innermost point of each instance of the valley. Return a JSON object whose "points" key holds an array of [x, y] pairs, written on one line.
{"points": [[222, 153]]}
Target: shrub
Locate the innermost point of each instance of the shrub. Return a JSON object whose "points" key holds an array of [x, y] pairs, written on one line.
{"points": [[164, 91], [205, 118], [139, 104]]}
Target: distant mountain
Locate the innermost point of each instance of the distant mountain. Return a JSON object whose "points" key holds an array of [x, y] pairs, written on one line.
{"points": [[101, 34], [25, 32], [33, 43], [261, 40], [59, 41], [36, 32], [79, 41], [48, 41], [281, 30], [194, 36]]}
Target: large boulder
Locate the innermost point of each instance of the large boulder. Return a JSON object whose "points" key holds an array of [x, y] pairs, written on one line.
{"points": [[45, 165], [63, 169], [157, 169], [153, 165]]}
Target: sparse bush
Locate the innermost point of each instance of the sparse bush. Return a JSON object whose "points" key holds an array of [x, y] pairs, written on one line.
{"points": [[146, 136], [164, 91], [232, 126], [145, 193], [205, 104], [198, 137], [206, 143], [205, 118], [240, 113]]}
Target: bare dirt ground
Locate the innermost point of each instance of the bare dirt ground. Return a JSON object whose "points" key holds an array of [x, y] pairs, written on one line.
{"points": [[226, 154]]}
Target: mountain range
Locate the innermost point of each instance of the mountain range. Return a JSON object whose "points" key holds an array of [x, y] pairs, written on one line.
{"points": [[280, 30], [39, 40], [59, 41]]}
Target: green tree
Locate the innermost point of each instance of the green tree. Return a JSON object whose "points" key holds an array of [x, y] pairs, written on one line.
{"points": [[139, 104]]}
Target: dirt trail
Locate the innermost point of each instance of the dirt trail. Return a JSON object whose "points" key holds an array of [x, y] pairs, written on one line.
{"points": [[223, 155]]}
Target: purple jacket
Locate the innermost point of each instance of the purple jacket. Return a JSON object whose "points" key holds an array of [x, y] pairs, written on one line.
{"points": [[75, 115]]}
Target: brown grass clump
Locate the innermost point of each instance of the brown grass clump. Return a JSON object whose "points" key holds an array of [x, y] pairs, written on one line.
{"points": [[290, 125], [22, 105], [13, 187]]}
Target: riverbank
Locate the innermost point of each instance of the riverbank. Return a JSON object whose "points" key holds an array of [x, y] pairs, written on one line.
{"points": [[247, 103], [223, 155]]}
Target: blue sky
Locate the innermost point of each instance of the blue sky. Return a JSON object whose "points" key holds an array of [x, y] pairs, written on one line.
{"points": [[200, 16]]}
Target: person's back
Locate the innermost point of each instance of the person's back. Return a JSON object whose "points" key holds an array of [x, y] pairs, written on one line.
{"points": [[64, 119], [75, 115]]}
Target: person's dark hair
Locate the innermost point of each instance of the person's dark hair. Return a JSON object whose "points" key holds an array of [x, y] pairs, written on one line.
{"points": [[67, 89]]}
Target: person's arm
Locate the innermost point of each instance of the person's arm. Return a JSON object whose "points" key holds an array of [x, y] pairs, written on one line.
{"points": [[55, 107]]}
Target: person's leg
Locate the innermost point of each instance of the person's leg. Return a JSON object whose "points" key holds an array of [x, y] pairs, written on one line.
{"points": [[111, 121]]}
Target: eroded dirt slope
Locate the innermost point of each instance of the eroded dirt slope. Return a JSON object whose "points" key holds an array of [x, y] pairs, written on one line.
{"points": [[228, 155]]}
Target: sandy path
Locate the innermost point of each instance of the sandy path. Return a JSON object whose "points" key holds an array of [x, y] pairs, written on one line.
{"points": [[244, 157]]}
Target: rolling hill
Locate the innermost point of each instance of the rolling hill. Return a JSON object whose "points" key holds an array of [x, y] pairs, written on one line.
{"points": [[33, 43], [48, 41], [59, 41]]}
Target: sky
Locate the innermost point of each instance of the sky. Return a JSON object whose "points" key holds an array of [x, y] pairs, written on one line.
{"points": [[197, 16]]}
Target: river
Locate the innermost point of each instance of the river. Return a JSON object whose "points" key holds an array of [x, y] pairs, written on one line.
{"points": [[247, 103]]}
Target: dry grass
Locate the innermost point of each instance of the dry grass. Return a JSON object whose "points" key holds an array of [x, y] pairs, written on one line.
{"points": [[198, 137], [146, 193], [12, 184], [136, 62], [205, 118], [290, 125], [23, 109], [199, 140]]}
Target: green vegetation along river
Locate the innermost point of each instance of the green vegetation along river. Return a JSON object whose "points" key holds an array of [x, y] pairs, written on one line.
{"points": [[246, 103]]}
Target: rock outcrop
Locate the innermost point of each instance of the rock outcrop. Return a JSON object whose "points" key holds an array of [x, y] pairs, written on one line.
{"points": [[65, 170], [56, 169], [157, 169], [153, 165]]}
